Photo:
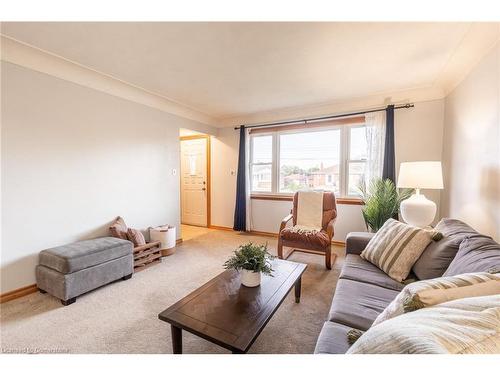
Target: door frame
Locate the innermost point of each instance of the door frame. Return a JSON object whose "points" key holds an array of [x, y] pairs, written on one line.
{"points": [[209, 187]]}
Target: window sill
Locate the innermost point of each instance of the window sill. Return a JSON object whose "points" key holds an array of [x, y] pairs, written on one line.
{"points": [[271, 197]]}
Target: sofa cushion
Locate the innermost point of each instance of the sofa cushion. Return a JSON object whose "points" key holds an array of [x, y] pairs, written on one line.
{"points": [[332, 339], [475, 254], [396, 247], [358, 304], [84, 254], [357, 269], [313, 239], [438, 255]]}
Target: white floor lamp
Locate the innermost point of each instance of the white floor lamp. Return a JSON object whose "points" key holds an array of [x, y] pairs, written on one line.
{"points": [[418, 210]]}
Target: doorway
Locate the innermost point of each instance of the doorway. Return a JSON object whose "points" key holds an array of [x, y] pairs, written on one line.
{"points": [[195, 180]]}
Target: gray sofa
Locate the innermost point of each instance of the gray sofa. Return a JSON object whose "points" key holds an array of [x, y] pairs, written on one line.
{"points": [[363, 291]]}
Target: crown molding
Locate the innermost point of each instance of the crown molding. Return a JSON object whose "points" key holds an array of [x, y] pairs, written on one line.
{"points": [[36, 59], [477, 42]]}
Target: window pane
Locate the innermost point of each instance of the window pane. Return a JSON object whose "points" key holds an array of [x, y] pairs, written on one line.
{"points": [[261, 178], [356, 177], [263, 149], [310, 160], [358, 145]]}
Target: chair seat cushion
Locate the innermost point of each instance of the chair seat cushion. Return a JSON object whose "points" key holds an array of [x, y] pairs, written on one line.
{"points": [[313, 239], [357, 269], [358, 304], [84, 254], [332, 339]]}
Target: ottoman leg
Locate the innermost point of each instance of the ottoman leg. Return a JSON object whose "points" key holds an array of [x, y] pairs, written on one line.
{"points": [[68, 301], [42, 291], [127, 277]]}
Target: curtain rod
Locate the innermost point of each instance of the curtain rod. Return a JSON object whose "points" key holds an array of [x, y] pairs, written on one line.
{"points": [[305, 121]]}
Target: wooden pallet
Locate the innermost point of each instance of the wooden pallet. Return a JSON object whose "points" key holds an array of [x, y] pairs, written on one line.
{"points": [[147, 255]]}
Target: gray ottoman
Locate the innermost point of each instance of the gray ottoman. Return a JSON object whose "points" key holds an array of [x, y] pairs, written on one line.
{"points": [[71, 270]]}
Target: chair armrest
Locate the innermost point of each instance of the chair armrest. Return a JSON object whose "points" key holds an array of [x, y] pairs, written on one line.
{"points": [[356, 242], [330, 228], [284, 221]]}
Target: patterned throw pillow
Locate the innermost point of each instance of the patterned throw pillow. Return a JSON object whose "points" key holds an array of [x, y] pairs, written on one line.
{"points": [[136, 237], [396, 247], [462, 326], [408, 299], [119, 229]]}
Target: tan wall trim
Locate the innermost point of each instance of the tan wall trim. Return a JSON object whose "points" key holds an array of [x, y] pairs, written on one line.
{"points": [[18, 293], [178, 241], [264, 197], [346, 201], [220, 228], [266, 234], [350, 201], [338, 243]]}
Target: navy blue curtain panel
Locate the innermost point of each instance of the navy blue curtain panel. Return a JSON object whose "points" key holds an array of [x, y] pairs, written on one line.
{"points": [[240, 210], [389, 169]]}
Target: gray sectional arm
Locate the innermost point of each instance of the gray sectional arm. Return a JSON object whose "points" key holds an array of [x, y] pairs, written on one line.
{"points": [[356, 242]]}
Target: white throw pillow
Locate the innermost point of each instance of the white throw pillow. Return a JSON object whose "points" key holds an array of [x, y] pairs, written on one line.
{"points": [[467, 325], [411, 291]]}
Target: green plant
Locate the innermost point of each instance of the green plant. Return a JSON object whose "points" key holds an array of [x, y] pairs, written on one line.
{"points": [[251, 257], [382, 200]]}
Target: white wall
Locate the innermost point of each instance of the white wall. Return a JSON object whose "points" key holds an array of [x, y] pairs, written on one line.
{"points": [[471, 151], [418, 136], [72, 160]]}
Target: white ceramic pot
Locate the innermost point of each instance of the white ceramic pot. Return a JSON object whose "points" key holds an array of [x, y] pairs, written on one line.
{"points": [[250, 278]]}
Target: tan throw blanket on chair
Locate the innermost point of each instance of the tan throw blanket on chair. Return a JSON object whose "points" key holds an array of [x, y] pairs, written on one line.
{"points": [[309, 212]]}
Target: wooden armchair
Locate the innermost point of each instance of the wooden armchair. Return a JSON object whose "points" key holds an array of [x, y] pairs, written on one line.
{"points": [[314, 243]]}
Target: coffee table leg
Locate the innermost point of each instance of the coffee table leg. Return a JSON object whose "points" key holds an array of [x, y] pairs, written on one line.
{"points": [[176, 339], [298, 287]]}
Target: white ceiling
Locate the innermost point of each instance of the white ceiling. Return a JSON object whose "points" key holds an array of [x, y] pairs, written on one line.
{"points": [[234, 69]]}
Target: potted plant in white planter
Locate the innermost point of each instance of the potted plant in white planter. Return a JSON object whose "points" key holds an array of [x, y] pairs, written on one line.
{"points": [[252, 260]]}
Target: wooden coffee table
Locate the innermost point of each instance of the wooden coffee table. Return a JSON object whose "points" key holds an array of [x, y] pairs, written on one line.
{"points": [[229, 314]]}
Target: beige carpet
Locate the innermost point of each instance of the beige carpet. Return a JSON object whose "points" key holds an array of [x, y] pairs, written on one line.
{"points": [[122, 317]]}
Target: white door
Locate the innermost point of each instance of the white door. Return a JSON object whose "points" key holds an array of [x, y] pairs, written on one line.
{"points": [[194, 181]]}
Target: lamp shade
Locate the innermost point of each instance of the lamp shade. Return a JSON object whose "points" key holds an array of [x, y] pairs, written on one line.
{"points": [[420, 175]]}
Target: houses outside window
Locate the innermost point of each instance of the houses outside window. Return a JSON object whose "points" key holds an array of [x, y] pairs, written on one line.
{"points": [[331, 158]]}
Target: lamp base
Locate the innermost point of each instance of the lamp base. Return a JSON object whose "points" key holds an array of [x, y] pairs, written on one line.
{"points": [[418, 210]]}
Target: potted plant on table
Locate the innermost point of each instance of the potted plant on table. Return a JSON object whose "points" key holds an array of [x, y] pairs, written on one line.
{"points": [[252, 260]]}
